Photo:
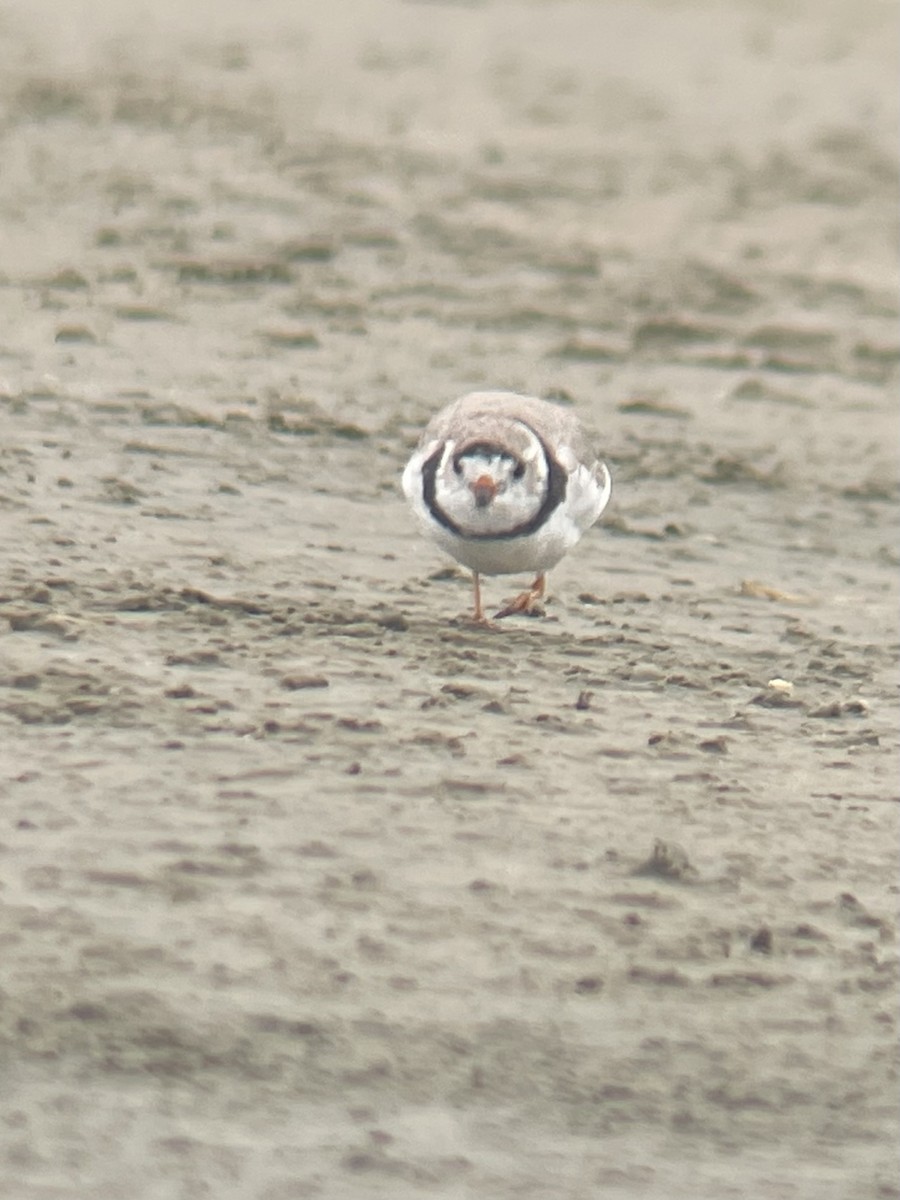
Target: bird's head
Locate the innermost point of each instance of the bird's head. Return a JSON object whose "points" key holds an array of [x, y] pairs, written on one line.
{"points": [[487, 471]]}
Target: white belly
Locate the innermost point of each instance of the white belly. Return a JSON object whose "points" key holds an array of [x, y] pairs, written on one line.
{"points": [[536, 552]]}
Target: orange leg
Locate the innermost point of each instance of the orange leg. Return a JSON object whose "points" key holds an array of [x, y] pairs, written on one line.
{"points": [[479, 607], [527, 603], [478, 616]]}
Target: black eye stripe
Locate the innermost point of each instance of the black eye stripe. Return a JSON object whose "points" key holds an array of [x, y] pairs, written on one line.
{"points": [[489, 450]]}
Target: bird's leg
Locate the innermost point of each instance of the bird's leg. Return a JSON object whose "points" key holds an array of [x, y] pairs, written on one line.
{"points": [[528, 603], [479, 607], [478, 617]]}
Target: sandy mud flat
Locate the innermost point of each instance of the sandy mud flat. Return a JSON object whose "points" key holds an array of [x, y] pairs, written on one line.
{"points": [[309, 888]]}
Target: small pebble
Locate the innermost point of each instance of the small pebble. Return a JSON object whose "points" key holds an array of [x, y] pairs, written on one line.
{"points": [[295, 683], [781, 685], [646, 672], [587, 985], [761, 941], [669, 861]]}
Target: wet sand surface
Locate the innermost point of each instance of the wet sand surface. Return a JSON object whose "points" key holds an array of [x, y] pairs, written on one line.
{"points": [[310, 888]]}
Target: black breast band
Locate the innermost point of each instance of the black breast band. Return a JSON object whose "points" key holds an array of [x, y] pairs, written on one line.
{"points": [[557, 478]]}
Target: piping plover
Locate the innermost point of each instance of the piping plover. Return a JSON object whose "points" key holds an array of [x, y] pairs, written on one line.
{"points": [[506, 483]]}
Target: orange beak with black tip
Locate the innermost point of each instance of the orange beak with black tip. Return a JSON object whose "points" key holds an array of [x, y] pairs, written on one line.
{"points": [[484, 489]]}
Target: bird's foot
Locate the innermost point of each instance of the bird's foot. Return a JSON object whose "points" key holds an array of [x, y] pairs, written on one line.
{"points": [[528, 604], [480, 621]]}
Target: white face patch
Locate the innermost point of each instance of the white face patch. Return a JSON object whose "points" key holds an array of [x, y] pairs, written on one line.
{"points": [[497, 467], [519, 489]]}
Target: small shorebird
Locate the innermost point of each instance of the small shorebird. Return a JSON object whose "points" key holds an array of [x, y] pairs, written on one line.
{"points": [[506, 483]]}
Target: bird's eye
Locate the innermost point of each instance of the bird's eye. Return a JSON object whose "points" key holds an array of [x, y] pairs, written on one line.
{"points": [[519, 472]]}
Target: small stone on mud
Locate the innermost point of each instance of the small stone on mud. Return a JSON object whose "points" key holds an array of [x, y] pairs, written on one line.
{"points": [[364, 878], [309, 249], [588, 985], [68, 279], [467, 787], [668, 861], [838, 708], [24, 682], [664, 739], [269, 1023], [231, 271], [646, 672], [459, 691], [717, 745], [747, 979], [291, 339], [396, 622], [781, 685], [764, 591], [316, 849], [810, 932], [855, 913], [355, 725], [75, 333], [402, 983], [360, 1162], [761, 941], [669, 977], [775, 699], [296, 683], [22, 621], [86, 1011], [195, 658]]}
